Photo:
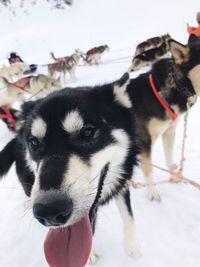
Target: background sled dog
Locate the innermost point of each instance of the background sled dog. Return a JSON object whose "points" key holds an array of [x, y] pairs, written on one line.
{"points": [[177, 81], [93, 56], [37, 86], [65, 64], [75, 151]]}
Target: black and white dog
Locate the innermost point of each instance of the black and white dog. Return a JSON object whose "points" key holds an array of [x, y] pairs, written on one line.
{"points": [[76, 149], [174, 82]]}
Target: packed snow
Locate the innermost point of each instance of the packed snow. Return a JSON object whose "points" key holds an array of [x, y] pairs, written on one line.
{"points": [[169, 231]]}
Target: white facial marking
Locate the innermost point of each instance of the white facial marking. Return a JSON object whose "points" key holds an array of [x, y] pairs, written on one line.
{"points": [[194, 76], [115, 154], [36, 192], [80, 186], [73, 122], [39, 128], [30, 163], [121, 96]]}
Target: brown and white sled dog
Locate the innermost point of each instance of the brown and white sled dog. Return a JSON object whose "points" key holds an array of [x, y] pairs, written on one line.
{"points": [[149, 57], [65, 64], [75, 151], [177, 81], [37, 86], [93, 56], [151, 43]]}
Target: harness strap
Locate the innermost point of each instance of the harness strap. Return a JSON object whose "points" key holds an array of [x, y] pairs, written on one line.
{"points": [[161, 100], [8, 115], [92, 51], [150, 42], [26, 81]]}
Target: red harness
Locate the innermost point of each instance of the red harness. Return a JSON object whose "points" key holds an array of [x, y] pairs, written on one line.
{"points": [[8, 116], [92, 51], [161, 100], [21, 84]]}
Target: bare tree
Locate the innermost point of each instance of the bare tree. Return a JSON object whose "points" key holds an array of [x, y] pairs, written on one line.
{"points": [[59, 4]]}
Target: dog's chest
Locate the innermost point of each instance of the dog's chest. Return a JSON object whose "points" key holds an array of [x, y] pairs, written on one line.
{"points": [[157, 127]]}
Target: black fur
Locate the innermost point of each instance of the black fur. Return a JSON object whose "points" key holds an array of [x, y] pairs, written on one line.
{"points": [[7, 157]]}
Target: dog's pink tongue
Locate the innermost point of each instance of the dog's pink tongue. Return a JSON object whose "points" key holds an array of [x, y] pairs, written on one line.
{"points": [[69, 247]]}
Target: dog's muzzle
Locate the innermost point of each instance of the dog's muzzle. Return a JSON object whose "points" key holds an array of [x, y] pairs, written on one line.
{"points": [[53, 213]]}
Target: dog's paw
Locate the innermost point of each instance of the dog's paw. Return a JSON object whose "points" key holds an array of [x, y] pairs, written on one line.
{"points": [[133, 248], [174, 168], [153, 194], [94, 257]]}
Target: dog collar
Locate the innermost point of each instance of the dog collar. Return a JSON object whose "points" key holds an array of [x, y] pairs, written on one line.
{"points": [[161, 100]]}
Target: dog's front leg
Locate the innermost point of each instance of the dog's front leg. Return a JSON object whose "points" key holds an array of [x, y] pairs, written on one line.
{"points": [[131, 243], [94, 255], [147, 168], [168, 138], [72, 74]]}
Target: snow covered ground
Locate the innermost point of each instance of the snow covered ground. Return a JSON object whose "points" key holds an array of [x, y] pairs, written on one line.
{"points": [[169, 231]]}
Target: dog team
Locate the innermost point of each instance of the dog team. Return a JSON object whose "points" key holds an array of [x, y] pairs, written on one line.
{"points": [[77, 147]]}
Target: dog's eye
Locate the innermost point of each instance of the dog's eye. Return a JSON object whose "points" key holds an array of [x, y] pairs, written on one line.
{"points": [[88, 132], [33, 142]]}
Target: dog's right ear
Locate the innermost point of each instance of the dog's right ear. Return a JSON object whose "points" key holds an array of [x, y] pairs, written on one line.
{"points": [[120, 93], [180, 52], [7, 157]]}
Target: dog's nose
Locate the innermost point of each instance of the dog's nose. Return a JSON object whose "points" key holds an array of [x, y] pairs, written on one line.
{"points": [[53, 213]]}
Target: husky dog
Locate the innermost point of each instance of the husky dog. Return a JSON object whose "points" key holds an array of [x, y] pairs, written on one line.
{"points": [[65, 64], [149, 57], [177, 81], [15, 69], [11, 117], [75, 151], [152, 43], [58, 59], [93, 56], [37, 86]]}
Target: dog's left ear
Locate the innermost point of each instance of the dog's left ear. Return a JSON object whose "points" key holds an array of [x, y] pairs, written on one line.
{"points": [[120, 91], [180, 52]]}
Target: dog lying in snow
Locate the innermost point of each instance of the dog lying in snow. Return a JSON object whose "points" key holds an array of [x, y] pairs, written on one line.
{"points": [[75, 151], [37, 86]]}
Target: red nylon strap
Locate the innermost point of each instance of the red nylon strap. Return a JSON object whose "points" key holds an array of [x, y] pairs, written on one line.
{"points": [[26, 81], [92, 51], [8, 116], [162, 101]]}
